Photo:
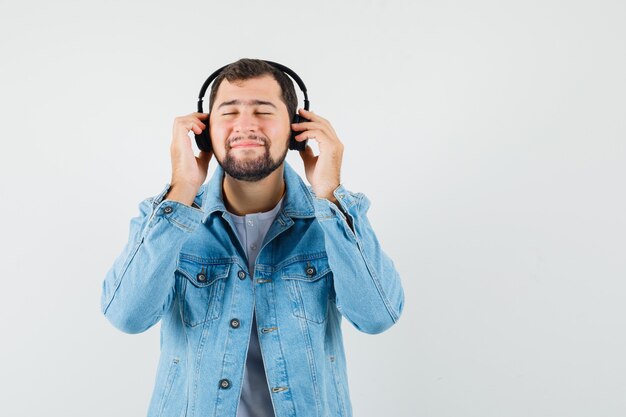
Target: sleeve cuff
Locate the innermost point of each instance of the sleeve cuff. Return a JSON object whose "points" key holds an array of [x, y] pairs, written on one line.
{"points": [[346, 201], [181, 215]]}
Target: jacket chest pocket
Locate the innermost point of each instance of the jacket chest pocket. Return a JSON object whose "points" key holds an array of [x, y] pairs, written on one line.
{"points": [[309, 283], [202, 289]]}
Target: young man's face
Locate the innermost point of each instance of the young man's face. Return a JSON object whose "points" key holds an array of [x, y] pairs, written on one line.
{"points": [[250, 127]]}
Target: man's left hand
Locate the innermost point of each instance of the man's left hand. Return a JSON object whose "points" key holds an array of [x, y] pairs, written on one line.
{"points": [[322, 171]]}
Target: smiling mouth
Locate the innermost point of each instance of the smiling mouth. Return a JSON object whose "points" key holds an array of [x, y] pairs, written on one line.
{"points": [[248, 145]]}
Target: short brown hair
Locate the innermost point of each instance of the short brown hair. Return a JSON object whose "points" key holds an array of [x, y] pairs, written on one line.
{"points": [[247, 68]]}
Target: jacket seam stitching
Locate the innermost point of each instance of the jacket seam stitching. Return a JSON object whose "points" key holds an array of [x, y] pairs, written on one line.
{"points": [[123, 273], [374, 276]]}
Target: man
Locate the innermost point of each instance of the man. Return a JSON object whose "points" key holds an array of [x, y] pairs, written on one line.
{"points": [[251, 273]]}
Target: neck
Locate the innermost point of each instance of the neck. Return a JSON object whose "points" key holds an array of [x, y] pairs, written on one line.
{"points": [[245, 197]]}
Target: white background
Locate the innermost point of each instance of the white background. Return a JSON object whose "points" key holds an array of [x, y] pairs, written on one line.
{"points": [[489, 136]]}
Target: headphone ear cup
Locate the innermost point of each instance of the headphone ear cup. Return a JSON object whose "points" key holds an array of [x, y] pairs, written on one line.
{"points": [[293, 143], [203, 140]]}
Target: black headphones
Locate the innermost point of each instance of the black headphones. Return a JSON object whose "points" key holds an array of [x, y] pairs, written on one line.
{"points": [[203, 140]]}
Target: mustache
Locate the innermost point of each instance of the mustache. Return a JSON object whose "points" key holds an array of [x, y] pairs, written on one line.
{"points": [[256, 138]]}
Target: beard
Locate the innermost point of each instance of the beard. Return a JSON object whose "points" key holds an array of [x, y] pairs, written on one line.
{"points": [[248, 168]]}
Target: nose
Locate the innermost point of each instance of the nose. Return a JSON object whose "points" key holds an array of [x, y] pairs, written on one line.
{"points": [[246, 122]]}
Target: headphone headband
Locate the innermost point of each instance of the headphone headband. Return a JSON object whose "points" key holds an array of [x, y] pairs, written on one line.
{"points": [[276, 65]]}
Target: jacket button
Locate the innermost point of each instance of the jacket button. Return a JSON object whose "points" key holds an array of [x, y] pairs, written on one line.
{"points": [[310, 271], [201, 277], [224, 383], [234, 323], [168, 210], [241, 275]]}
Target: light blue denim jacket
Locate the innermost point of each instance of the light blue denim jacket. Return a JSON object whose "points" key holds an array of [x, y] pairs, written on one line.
{"points": [[185, 266]]}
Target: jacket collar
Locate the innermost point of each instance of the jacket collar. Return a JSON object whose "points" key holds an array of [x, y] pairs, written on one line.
{"points": [[298, 201]]}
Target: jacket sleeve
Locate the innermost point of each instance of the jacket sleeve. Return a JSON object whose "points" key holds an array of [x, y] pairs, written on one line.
{"points": [[367, 285], [139, 288]]}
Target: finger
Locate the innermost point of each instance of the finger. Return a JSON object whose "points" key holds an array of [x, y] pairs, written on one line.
{"points": [[306, 125], [308, 156], [194, 118], [195, 128], [188, 125], [311, 116], [198, 122], [306, 152], [318, 135]]}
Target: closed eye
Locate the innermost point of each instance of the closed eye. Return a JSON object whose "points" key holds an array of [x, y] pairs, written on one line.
{"points": [[227, 114]]}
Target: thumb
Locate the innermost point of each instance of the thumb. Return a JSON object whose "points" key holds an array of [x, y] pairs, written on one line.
{"points": [[308, 156], [204, 158]]}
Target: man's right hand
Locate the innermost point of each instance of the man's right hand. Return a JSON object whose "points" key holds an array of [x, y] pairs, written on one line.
{"points": [[188, 171]]}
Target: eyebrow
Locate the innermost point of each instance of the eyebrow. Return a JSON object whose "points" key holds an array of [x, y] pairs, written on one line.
{"points": [[247, 103]]}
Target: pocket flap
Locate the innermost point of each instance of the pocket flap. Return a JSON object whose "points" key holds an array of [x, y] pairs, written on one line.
{"points": [[308, 269], [203, 273]]}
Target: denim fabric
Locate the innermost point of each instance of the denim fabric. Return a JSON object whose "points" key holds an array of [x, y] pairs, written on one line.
{"points": [[185, 267]]}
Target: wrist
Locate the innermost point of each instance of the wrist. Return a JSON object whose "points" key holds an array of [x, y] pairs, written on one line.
{"points": [[327, 193], [182, 193], [332, 199]]}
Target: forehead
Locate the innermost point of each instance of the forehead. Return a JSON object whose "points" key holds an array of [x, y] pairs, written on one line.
{"points": [[264, 87]]}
